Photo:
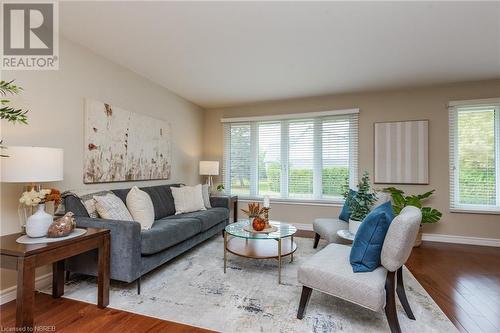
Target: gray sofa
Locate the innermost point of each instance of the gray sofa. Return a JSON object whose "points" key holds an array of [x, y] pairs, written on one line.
{"points": [[135, 252]]}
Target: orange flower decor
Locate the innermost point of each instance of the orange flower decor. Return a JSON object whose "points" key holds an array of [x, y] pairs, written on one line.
{"points": [[54, 195], [254, 210]]}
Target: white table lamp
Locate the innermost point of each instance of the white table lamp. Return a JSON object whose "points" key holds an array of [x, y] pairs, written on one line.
{"points": [[32, 165], [209, 168]]}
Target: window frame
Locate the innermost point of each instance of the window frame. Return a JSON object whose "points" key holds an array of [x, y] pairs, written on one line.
{"points": [[454, 109], [317, 197]]}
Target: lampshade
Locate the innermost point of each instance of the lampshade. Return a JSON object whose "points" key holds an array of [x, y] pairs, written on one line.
{"points": [[32, 165], [209, 168]]}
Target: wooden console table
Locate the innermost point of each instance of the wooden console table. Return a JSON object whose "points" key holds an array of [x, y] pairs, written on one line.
{"points": [[25, 258]]}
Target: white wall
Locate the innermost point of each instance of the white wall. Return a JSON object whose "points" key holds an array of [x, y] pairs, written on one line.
{"points": [[56, 99]]}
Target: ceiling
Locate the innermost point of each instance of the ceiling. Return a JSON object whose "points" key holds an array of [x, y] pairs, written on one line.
{"points": [[229, 53]]}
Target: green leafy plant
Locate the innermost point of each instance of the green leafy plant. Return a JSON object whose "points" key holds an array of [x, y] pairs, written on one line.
{"points": [[363, 201], [220, 187], [400, 200], [7, 112]]}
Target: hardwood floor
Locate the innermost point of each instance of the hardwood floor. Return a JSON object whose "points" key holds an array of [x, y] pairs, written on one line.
{"points": [[464, 281], [66, 315]]}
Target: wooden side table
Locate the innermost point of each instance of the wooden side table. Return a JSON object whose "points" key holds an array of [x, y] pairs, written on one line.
{"points": [[234, 200], [25, 258]]}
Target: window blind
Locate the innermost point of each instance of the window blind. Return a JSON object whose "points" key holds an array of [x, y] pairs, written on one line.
{"points": [[311, 158], [475, 157]]}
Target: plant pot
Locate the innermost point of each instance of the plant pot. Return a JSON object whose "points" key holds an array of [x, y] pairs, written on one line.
{"points": [[354, 226], [38, 224], [418, 240]]}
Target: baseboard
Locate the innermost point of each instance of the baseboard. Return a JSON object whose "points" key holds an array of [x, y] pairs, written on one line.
{"points": [[434, 237], [461, 240], [9, 294]]}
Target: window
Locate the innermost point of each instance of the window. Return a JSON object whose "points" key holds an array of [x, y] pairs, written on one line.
{"points": [[475, 156], [297, 157]]}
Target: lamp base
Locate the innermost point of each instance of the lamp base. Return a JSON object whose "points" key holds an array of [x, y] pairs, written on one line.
{"points": [[23, 211]]}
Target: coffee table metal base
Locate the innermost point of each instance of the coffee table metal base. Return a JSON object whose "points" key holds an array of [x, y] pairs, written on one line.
{"points": [[260, 249]]}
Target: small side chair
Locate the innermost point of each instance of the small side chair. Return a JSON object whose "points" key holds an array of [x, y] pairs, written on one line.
{"points": [[330, 272], [326, 228]]}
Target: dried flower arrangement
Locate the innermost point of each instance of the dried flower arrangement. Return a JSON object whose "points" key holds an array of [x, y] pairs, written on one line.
{"points": [[34, 197], [254, 210], [54, 195]]}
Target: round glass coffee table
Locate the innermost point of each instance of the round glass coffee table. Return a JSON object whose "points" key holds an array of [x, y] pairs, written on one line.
{"points": [[273, 245]]}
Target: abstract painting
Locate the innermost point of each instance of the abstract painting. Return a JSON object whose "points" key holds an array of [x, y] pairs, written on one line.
{"points": [[401, 152], [121, 145]]}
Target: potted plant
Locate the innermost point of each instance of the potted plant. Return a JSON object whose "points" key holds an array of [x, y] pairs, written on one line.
{"points": [[400, 200], [7, 112], [220, 188], [360, 204]]}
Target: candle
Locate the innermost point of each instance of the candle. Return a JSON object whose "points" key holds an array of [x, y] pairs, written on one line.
{"points": [[266, 201]]}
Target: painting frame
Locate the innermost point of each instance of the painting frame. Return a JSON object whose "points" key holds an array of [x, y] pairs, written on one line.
{"points": [[141, 151], [396, 171]]}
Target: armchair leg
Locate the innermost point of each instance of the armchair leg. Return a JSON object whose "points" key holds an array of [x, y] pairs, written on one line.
{"points": [[400, 289], [316, 240], [304, 299], [390, 302], [139, 286]]}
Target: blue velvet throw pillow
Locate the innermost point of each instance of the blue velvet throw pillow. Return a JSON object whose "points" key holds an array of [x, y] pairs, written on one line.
{"points": [[368, 242], [345, 214]]}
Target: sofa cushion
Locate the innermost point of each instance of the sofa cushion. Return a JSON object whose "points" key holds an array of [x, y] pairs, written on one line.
{"points": [[168, 232], [110, 207], [329, 271], [208, 218], [188, 199], [141, 207], [368, 242], [161, 196]]}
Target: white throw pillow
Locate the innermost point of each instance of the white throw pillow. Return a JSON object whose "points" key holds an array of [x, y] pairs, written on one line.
{"points": [[206, 196], [111, 207], [91, 208], [141, 207], [188, 199]]}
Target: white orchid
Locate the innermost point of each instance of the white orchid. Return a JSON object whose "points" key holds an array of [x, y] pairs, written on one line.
{"points": [[33, 198]]}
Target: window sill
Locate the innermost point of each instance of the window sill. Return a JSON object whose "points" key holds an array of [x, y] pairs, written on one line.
{"points": [[303, 202], [474, 211]]}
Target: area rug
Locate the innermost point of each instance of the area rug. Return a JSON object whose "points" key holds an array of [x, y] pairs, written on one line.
{"points": [[194, 290]]}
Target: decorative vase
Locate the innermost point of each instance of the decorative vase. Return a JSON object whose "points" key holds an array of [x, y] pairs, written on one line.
{"points": [[354, 226], [38, 224], [258, 224], [418, 240]]}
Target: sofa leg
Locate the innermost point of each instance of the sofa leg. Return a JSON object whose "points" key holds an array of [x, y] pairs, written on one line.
{"points": [[316, 240], [304, 299], [390, 302], [139, 286], [400, 289]]}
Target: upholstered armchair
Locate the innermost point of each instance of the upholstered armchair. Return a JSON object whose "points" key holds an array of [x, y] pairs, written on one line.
{"points": [[330, 272], [326, 228]]}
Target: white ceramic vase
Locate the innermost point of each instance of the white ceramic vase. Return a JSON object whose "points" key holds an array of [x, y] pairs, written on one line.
{"points": [[38, 224], [354, 226]]}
